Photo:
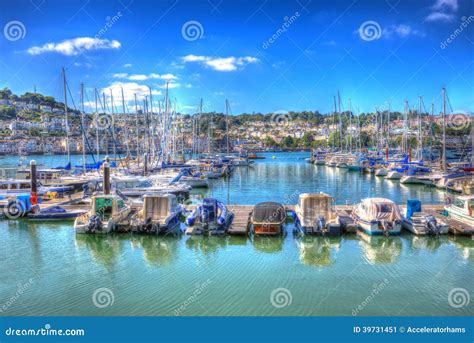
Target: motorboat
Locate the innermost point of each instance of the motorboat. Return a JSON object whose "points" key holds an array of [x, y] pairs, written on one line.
{"points": [[54, 213], [381, 172], [267, 218], [462, 209], [416, 176], [394, 174], [315, 214], [109, 212], [159, 214], [421, 223], [378, 216], [212, 217]]}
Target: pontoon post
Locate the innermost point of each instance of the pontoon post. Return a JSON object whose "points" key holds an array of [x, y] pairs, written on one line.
{"points": [[34, 182], [106, 178]]}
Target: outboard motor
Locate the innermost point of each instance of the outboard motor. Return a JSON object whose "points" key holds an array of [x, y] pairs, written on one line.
{"points": [[94, 224], [320, 224], [386, 226], [432, 225], [147, 226]]}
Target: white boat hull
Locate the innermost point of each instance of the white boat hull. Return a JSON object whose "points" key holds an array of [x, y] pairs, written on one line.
{"points": [[394, 175]]}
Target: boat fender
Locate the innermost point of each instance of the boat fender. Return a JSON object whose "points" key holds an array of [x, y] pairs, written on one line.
{"points": [[191, 219], [223, 215], [110, 225]]}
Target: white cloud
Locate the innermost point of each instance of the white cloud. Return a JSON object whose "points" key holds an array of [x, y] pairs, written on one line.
{"points": [[143, 77], [129, 91], [443, 11], [120, 75], [449, 5], [127, 65], [439, 16], [75, 46], [220, 63], [401, 30]]}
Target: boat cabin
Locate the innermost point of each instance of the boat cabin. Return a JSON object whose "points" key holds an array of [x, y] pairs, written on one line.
{"points": [[158, 207], [312, 206], [106, 206]]}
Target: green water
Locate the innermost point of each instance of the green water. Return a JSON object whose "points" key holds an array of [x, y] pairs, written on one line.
{"points": [[58, 272]]}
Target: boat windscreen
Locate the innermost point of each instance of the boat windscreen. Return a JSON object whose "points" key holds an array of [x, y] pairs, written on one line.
{"points": [[103, 208]]}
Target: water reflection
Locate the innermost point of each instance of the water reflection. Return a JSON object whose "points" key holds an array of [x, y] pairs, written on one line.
{"points": [[380, 249], [157, 250], [425, 242], [206, 244], [269, 245], [465, 246], [318, 251], [105, 249]]}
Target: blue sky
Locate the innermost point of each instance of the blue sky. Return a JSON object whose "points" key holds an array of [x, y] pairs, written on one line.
{"points": [[263, 56]]}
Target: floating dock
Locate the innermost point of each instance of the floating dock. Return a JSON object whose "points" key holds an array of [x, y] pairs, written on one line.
{"points": [[240, 225]]}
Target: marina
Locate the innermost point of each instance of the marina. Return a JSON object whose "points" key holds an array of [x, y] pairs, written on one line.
{"points": [[166, 256]]}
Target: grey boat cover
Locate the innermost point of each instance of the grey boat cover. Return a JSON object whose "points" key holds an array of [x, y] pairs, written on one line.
{"points": [[269, 212]]}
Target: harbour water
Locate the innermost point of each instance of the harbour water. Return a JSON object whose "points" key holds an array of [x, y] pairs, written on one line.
{"points": [[60, 273]]}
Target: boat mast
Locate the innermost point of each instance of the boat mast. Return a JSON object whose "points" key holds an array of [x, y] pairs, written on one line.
{"points": [[334, 122], [106, 132], [405, 129], [420, 133], [443, 166], [113, 121], [227, 123], [67, 121], [350, 126], [137, 128], [340, 119], [126, 123], [431, 131], [152, 126], [83, 130], [388, 126], [96, 125]]}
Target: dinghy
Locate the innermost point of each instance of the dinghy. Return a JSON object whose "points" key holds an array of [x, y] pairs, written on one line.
{"points": [[210, 218]]}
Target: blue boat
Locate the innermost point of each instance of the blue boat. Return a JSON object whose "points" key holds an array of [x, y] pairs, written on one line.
{"points": [[54, 213], [211, 217]]}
